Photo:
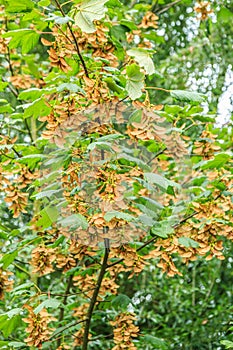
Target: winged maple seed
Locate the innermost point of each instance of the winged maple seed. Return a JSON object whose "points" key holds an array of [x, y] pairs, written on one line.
{"points": [[57, 60], [65, 262], [15, 196], [42, 260], [133, 262], [203, 9], [149, 20], [4, 42], [206, 147], [98, 43], [6, 284], [87, 283], [78, 337], [124, 330], [38, 329]]}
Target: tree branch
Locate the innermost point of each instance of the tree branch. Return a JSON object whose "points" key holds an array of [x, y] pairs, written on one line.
{"points": [[73, 36], [62, 309], [94, 298], [154, 238], [67, 327], [28, 129], [166, 7]]}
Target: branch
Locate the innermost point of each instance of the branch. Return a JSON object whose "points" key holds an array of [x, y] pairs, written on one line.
{"points": [[28, 129], [73, 36], [154, 238], [62, 309], [68, 326], [166, 7], [156, 155], [174, 226], [94, 298]]}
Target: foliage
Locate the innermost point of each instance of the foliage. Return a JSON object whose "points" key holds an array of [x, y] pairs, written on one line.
{"points": [[113, 176]]}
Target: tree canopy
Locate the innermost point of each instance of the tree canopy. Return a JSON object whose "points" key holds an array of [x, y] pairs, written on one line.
{"points": [[116, 183]]}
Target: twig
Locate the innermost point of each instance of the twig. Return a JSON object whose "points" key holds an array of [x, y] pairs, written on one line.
{"points": [[154, 7], [68, 326], [29, 130], [73, 36], [167, 7], [22, 269], [156, 88], [16, 152], [8, 58], [153, 239], [66, 294], [156, 155], [94, 298]]}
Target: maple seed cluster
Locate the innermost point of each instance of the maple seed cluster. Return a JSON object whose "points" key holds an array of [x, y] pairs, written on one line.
{"points": [[6, 284], [203, 9], [38, 328], [124, 331]]}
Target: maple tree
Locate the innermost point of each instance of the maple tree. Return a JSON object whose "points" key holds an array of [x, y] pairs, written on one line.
{"points": [[104, 173]]}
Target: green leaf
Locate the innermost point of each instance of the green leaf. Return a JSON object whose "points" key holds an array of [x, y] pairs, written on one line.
{"points": [[8, 258], [162, 229], [155, 342], [219, 161], [3, 86], [19, 6], [24, 38], [129, 24], [30, 94], [160, 181], [48, 216], [44, 3], [53, 303], [75, 220], [225, 15], [187, 96], [228, 344], [89, 11], [113, 85], [188, 242], [146, 220], [16, 344], [8, 326], [37, 108], [119, 215], [142, 56], [121, 301], [151, 204], [135, 81], [70, 87], [48, 193], [173, 109], [6, 109], [3, 235], [13, 312]]}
